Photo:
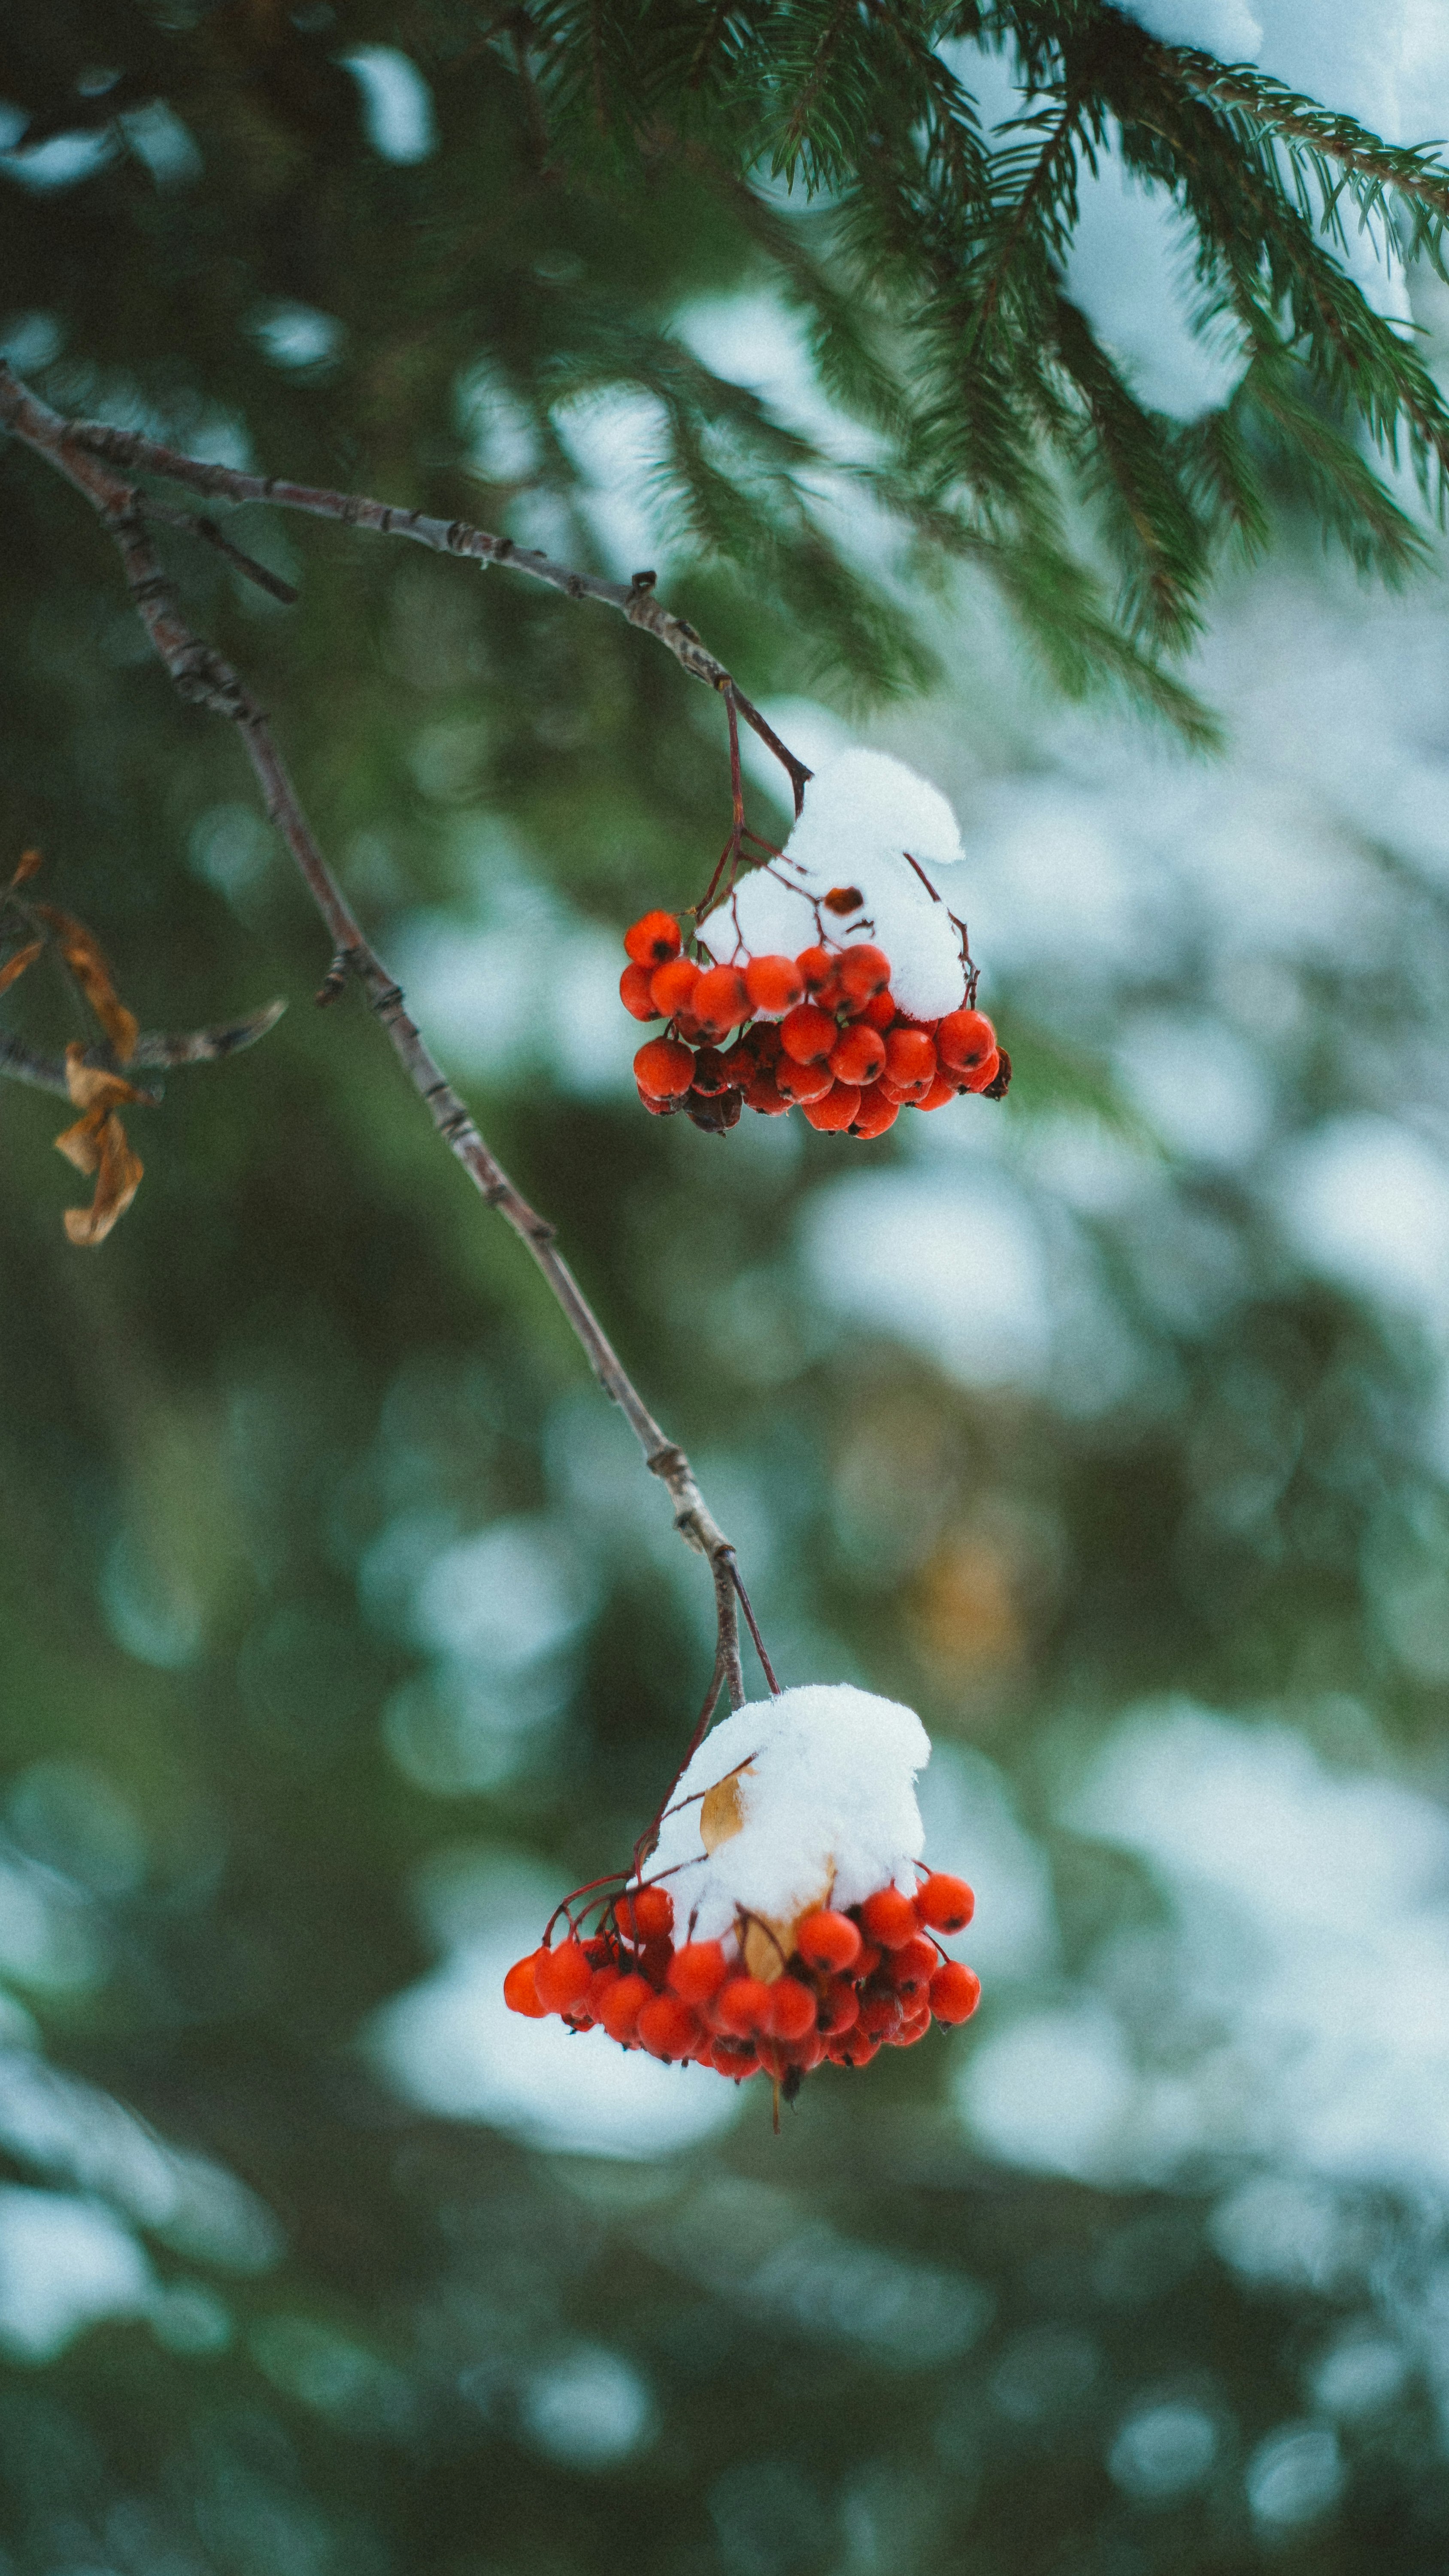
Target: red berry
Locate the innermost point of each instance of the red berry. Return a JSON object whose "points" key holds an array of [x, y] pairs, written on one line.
{"points": [[646, 1913], [663, 1069], [853, 2048], [667, 2027], [636, 995], [732, 2058], [876, 1113], [713, 1074], [985, 1074], [881, 1013], [955, 1992], [911, 1969], [719, 1001], [818, 967], [808, 1034], [520, 1989], [697, 1972], [774, 985], [910, 1066], [868, 1962], [833, 1114], [912, 2026], [653, 938], [858, 1055], [792, 2009], [762, 1092], [864, 972], [879, 2015], [758, 1044], [672, 985], [945, 1087], [946, 1903], [839, 2008], [827, 1940], [889, 1918], [742, 2006], [799, 1084], [620, 2008], [562, 1977], [964, 1040]]}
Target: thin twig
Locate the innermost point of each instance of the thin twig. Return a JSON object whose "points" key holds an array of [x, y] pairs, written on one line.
{"points": [[167, 516], [765, 1664], [134, 453], [203, 678], [155, 1049]]}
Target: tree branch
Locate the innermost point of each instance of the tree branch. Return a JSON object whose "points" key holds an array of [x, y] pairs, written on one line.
{"points": [[636, 600], [155, 1049], [203, 678]]}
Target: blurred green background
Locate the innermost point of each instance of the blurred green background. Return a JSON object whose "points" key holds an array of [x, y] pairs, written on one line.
{"points": [[342, 1630]]}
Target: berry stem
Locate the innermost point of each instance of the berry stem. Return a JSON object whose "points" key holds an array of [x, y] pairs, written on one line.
{"points": [[200, 675]]}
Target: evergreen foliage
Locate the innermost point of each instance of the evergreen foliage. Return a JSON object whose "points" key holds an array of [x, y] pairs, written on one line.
{"points": [[843, 149]]}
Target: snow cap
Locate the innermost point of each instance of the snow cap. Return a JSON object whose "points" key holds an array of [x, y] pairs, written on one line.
{"points": [[825, 1803], [863, 813]]}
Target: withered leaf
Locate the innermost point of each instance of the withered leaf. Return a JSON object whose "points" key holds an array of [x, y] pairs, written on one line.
{"points": [[87, 962], [98, 1144], [721, 1812], [29, 864], [91, 1087], [14, 967], [766, 1943]]}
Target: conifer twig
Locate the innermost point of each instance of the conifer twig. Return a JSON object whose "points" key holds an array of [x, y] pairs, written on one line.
{"points": [[203, 678]]}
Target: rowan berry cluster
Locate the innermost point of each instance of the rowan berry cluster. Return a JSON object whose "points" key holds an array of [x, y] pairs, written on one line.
{"points": [[820, 1032], [873, 1977]]}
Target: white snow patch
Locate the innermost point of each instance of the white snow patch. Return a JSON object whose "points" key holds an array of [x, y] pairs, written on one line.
{"points": [[957, 1266], [866, 817], [451, 2045], [64, 2264], [1366, 1203], [1293, 2005], [829, 1809]]}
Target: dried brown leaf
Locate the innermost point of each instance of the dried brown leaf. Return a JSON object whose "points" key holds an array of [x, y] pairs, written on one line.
{"points": [[721, 1812], [14, 967], [28, 867], [87, 961], [91, 1087], [98, 1144]]}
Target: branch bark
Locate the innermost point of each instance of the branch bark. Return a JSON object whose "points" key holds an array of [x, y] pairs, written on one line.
{"points": [[203, 678], [133, 453]]}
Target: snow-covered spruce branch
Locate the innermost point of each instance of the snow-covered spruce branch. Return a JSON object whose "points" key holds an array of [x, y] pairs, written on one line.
{"points": [[203, 678], [636, 600]]}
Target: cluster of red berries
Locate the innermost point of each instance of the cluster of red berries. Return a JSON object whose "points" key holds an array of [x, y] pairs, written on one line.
{"points": [[854, 1982], [819, 1032]]}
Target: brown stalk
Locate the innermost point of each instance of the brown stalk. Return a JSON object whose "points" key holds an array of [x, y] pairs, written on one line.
{"points": [[85, 454]]}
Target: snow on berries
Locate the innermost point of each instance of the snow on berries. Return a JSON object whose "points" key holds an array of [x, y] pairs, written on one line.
{"points": [[784, 1917], [835, 966]]}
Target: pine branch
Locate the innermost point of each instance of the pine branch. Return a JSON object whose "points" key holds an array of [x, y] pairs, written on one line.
{"points": [[1373, 168]]}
